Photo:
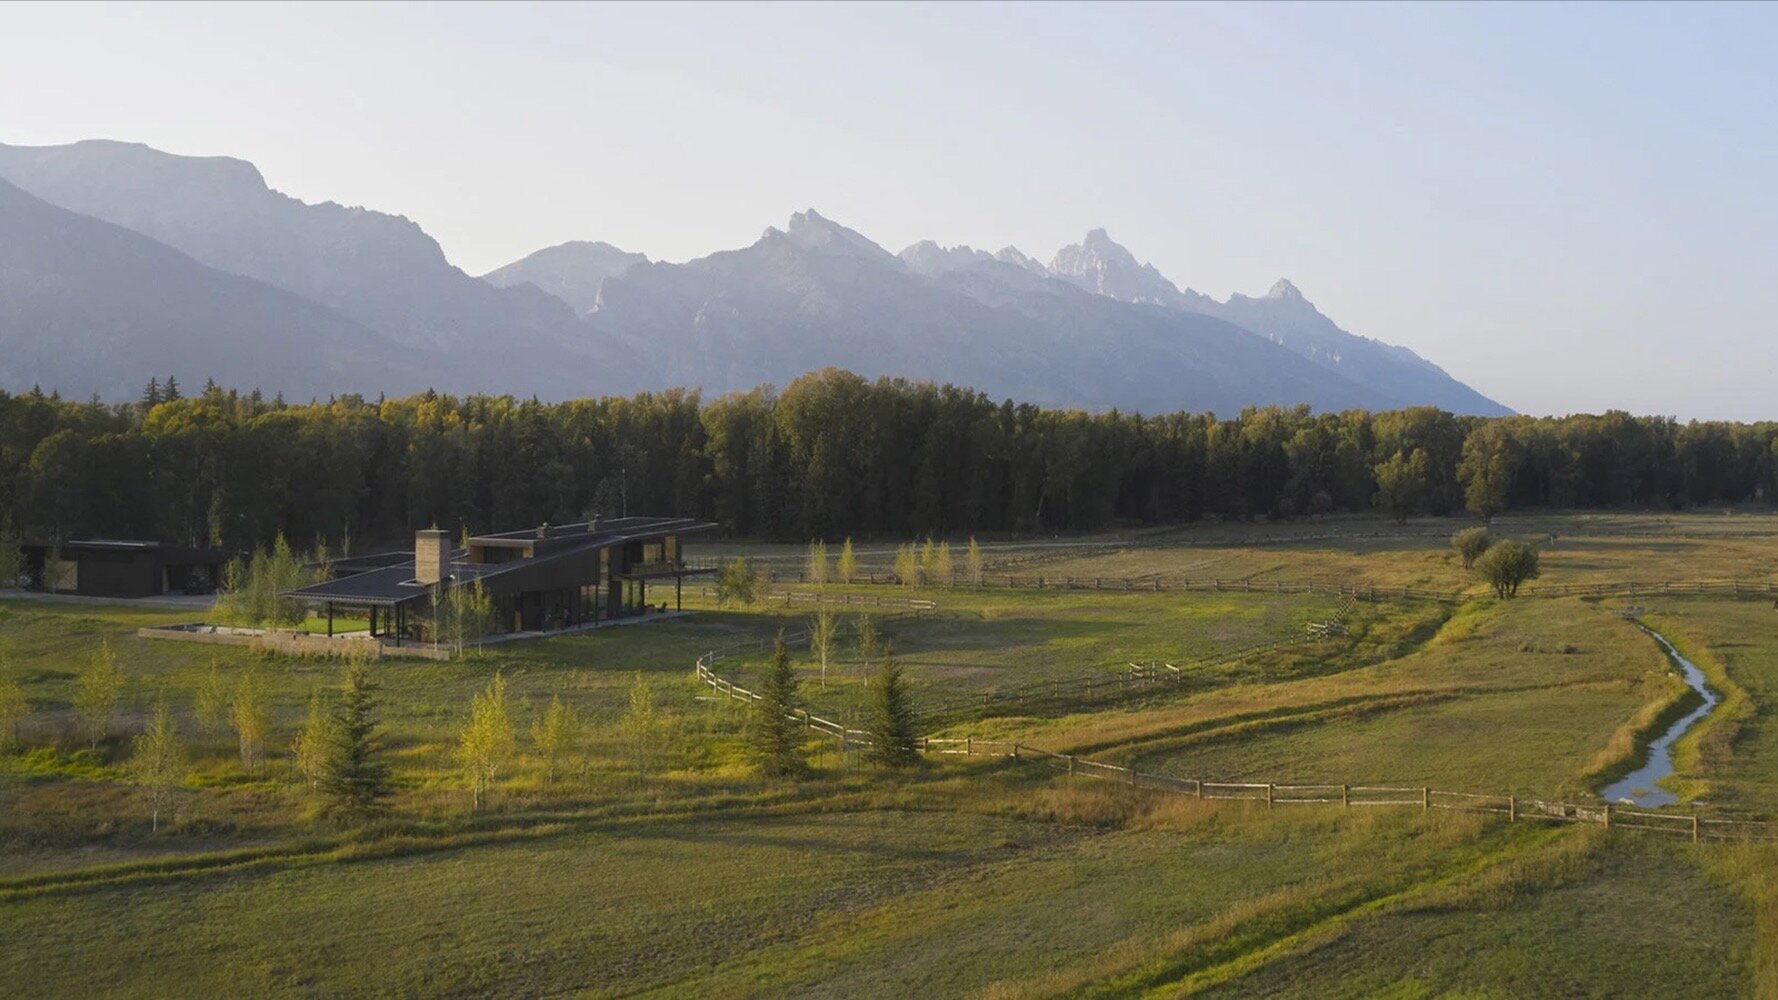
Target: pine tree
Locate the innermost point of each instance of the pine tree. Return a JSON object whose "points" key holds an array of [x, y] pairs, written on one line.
{"points": [[157, 763], [555, 735], [775, 737], [170, 393], [847, 567], [894, 731], [96, 694], [488, 743], [151, 396], [354, 780]]}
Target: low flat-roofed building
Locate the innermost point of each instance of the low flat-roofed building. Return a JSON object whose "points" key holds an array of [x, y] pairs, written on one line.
{"points": [[549, 577], [106, 567]]}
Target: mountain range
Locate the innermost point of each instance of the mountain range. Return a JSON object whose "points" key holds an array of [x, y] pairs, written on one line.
{"points": [[119, 262]]}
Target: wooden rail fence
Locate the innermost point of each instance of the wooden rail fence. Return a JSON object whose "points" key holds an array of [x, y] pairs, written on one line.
{"points": [[1694, 826]]}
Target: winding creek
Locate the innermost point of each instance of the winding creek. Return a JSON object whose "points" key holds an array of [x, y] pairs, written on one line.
{"points": [[1638, 787]]}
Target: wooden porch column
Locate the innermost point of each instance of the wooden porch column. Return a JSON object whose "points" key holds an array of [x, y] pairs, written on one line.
{"points": [[373, 621], [330, 619], [679, 593]]}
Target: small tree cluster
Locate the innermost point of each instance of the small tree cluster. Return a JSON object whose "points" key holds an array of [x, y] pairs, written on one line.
{"points": [[737, 583], [96, 694], [1506, 565], [907, 565], [973, 564], [488, 744], [13, 709], [823, 631], [643, 728], [846, 567], [251, 719], [815, 568], [463, 615], [556, 735], [157, 764], [1470, 543], [252, 590]]}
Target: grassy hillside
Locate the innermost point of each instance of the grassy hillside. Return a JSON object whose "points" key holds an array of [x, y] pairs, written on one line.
{"points": [[970, 876]]}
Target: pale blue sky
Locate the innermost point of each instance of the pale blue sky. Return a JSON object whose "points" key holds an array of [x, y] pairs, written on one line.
{"points": [[1568, 207]]}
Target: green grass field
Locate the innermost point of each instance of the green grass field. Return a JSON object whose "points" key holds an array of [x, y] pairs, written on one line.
{"points": [[968, 877]]}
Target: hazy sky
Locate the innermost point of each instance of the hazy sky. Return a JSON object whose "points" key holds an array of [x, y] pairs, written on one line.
{"points": [[1570, 208]]}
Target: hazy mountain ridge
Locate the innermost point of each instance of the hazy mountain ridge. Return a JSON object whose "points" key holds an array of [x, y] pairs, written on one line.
{"points": [[1094, 329], [89, 307], [382, 270], [569, 271]]}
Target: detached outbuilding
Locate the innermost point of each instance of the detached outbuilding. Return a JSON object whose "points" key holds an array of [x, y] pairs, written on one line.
{"points": [[539, 579], [103, 567]]}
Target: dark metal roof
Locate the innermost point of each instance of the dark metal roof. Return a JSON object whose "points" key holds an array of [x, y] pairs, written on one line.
{"points": [[396, 584]]}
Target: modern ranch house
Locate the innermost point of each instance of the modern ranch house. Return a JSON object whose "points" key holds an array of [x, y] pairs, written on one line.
{"points": [[550, 577]]}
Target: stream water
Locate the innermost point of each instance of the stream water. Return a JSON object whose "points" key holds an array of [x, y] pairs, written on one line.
{"points": [[1638, 787]]}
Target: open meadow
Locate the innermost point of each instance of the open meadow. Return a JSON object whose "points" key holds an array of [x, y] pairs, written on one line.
{"points": [[653, 859]]}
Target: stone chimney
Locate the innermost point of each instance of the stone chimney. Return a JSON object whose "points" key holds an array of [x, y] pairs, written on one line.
{"points": [[432, 556]]}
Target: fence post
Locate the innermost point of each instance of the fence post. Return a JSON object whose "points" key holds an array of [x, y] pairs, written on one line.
{"points": [[1015, 751], [1425, 798], [1694, 828], [1512, 809], [1132, 775], [969, 746], [1070, 764], [1607, 815], [1197, 788], [1269, 790], [1345, 795]]}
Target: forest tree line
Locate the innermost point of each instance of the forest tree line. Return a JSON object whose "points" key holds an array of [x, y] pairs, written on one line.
{"points": [[830, 455]]}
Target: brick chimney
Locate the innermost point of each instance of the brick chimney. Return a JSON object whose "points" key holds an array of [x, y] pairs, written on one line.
{"points": [[432, 556]]}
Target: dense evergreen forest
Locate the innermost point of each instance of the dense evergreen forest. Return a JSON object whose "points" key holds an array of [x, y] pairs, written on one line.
{"points": [[831, 454]]}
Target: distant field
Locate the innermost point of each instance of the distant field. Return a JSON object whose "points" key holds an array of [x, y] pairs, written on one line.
{"points": [[969, 877]]}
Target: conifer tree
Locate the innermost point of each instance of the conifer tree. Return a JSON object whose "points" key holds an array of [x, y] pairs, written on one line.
{"points": [[893, 728], [157, 763], [775, 736], [354, 780]]}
